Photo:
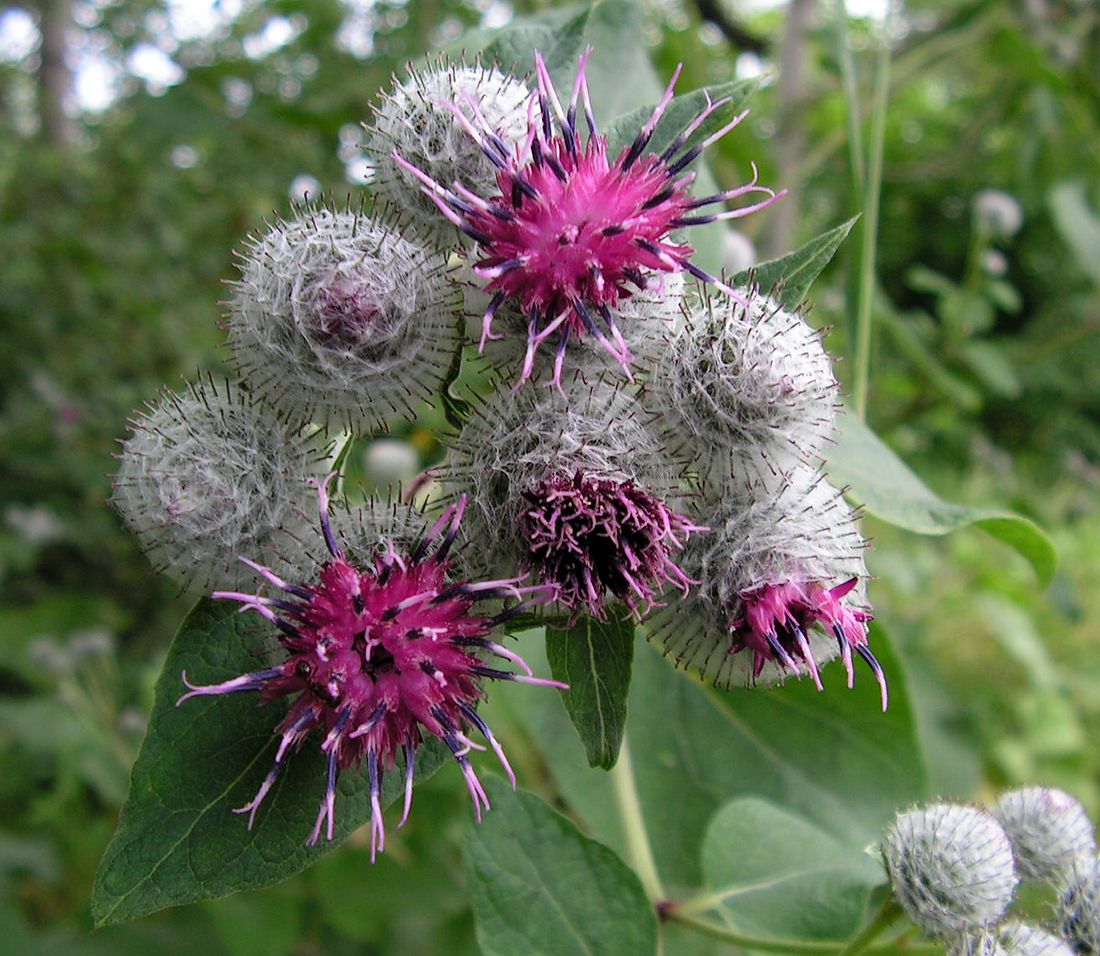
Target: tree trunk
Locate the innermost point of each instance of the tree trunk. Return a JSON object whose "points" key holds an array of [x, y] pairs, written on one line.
{"points": [[790, 139], [55, 77]]}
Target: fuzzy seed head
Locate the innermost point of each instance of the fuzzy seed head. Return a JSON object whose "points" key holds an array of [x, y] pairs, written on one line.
{"points": [[338, 319], [745, 385], [1078, 906], [416, 120], [1020, 939], [542, 470], [381, 650], [950, 868], [211, 474], [780, 572], [570, 231], [1048, 828]]}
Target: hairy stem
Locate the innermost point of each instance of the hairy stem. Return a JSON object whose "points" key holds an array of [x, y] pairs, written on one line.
{"points": [[886, 916]]}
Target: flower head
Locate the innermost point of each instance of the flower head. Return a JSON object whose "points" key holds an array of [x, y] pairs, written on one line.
{"points": [[377, 658], [744, 382], [1048, 828], [950, 868], [338, 318], [206, 474], [781, 579], [414, 120], [574, 488], [571, 231], [592, 535]]}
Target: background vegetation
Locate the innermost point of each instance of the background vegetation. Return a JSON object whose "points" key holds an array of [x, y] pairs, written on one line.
{"points": [[117, 225]]}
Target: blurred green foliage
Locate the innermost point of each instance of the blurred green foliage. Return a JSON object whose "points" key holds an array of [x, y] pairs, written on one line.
{"points": [[117, 236]]}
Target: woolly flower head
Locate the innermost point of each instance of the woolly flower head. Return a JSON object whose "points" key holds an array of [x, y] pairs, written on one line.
{"points": [[744, 383], [1079, 906], [381, 651], [1048, 830], [1020, 939], [417, 119], [211, 474], [569, 232], [338, 317], [780, 586], [950, 868], [573, 487]]}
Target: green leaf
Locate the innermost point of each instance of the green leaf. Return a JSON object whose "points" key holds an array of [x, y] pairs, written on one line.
{"points": [[833, 757], [541, 887], [772, 873], [178, 840], [593, 658], [680, 112], [884, 485], [795, 272], [558, 35]]}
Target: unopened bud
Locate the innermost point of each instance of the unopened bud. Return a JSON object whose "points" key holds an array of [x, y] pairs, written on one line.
{"points": [[1079, 906], [1048, 830], [950, 867]]}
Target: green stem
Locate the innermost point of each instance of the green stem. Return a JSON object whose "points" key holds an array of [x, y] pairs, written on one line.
{"points": [[886, 916], [872, 189], [793, 947], [633, 824]]}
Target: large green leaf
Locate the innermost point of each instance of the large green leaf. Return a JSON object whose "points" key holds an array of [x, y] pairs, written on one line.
{"points": [[885, 486], [832, 757], [177, 839], [542, 888], [795, 272], [593, 658], [772, 873]]}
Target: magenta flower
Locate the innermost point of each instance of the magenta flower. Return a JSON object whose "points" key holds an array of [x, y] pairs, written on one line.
{"points": [[777, 617], [378, 658], [589, 535], [571, 232]]}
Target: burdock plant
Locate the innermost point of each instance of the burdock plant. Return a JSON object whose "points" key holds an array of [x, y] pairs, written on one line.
{"points": [[639, 449]]}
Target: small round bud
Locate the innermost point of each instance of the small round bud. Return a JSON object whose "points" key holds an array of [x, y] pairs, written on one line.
{"points": [[950, 868], [1020, 939], [336, 317], [745, 385], [998, 213], [1048, 830], [211, 475], [416, 120], [985, 943], [1079, 906]]}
